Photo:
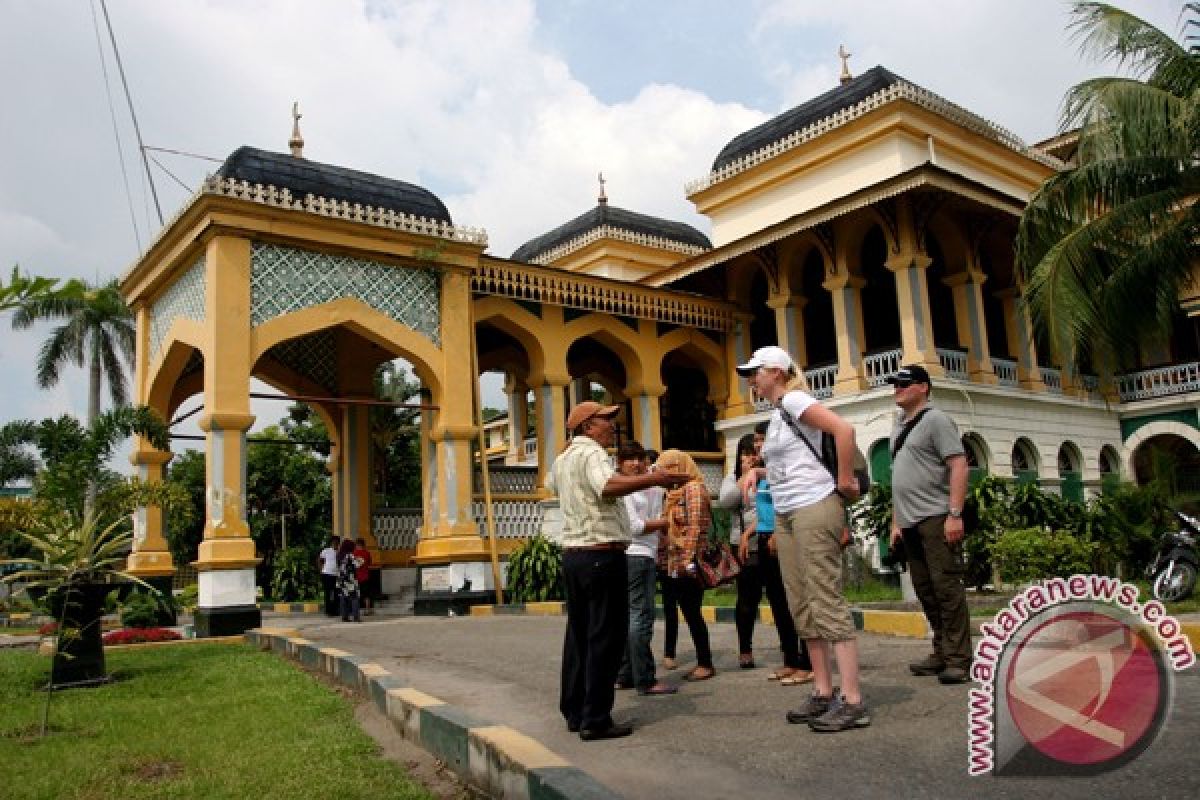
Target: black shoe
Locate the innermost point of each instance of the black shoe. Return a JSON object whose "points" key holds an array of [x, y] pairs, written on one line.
{"points": [[622, 685], [953, 675], [611, 732], [930, 665]]}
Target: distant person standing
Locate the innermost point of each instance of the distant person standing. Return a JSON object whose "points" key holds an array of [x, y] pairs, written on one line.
{"points": [[327, 563], [929, 487], [348, 566], [594, 569], [364, 572]]}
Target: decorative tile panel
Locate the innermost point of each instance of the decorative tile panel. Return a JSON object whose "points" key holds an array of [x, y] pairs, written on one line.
{"points": [[287, 279], [183, 298], [313, 356]]}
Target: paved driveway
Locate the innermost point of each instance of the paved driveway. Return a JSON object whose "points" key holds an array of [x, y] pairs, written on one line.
{"points": [[727, 737]]}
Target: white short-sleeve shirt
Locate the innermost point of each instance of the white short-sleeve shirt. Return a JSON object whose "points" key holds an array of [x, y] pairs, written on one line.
{"points": [[797, 478]]}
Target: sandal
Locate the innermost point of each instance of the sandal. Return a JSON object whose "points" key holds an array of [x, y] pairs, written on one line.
{"points": [[700, 674], [669, 662], [781, 673], [797, 678]]}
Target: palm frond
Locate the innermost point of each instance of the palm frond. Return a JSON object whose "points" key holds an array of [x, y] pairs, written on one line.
{"points": [[114, 372]]}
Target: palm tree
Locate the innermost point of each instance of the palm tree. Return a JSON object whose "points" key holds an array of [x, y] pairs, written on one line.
{"points": [[1105, 246], [99, 331], [25, 288]]}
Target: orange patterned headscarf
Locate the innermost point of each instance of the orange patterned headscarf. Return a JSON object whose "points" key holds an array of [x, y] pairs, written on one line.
{"points": [[681, 548]]}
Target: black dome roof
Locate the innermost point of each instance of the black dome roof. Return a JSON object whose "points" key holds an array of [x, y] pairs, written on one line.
{"points": [[605, 214], [301, 177], [846, 95]]}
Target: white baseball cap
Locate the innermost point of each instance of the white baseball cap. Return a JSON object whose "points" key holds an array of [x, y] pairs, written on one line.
{"points": [[771, 356]]}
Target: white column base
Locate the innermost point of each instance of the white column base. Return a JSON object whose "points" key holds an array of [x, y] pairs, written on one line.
{"points": [[226, 588]]}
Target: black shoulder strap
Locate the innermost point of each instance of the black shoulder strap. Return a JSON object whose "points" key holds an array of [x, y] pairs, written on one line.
{"points": [[908, 427]]}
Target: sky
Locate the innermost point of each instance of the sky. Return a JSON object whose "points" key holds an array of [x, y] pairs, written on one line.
{"points": [[506, 109]]}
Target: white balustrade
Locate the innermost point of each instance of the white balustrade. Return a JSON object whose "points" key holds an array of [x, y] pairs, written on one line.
{"points": [[1053, 379], [1006, 371], [509, 480], [396, 528], [821, 380], [879, 366], [1160, 382], [515, 519], [954, 362]]}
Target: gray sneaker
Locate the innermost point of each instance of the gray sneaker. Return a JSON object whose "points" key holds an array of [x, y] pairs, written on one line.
{"points": [[815, 706], [841, 716]]}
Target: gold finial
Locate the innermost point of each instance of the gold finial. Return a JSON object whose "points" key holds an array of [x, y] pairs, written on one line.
{"points": [[603, 198], [297, 141], [845, 77]]}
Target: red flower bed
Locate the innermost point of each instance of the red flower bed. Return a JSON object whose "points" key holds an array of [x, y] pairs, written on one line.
{"points": [[49, 629], [140, 635]]}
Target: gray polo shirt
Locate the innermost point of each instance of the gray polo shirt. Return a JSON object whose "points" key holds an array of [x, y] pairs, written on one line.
{"points": [[920, 477]]}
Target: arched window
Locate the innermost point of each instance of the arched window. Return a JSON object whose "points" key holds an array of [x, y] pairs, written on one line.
{"points": [[1110, 468], [1070, 472], [977, 457], [1025, 461]]}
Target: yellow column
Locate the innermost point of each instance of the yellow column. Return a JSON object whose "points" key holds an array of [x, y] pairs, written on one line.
{"points": [[789, 324], [738, 351], [518, 417], [846, 291], [912, 302], [969, 320], [453, 534], [227, 555], [356, 472], [151, 558], [1020, 340]]}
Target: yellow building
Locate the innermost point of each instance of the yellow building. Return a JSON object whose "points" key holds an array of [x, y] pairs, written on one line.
{"points": [[869, 227]]}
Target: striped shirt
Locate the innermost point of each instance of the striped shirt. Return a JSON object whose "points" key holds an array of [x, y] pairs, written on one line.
{"points": [[578, 477]]}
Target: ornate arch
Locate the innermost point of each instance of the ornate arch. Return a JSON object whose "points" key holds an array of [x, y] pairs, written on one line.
{"points": [[616, 336], [517, 322], [1149, 431]]}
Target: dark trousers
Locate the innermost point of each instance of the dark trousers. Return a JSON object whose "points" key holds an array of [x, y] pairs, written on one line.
{"points": [[350, 607], [690, 594], [597, 627], [761, 573], [329, 586], [670, 614], [637, 667], [937, 571]]}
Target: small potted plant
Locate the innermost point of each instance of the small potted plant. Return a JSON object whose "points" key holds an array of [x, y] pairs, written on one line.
{"points": [[80, 565]]}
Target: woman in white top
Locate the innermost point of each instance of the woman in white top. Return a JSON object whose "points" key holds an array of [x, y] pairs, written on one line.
{"points": [[641, 513], [810, 517]]}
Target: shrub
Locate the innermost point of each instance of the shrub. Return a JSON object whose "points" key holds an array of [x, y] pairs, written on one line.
{"points": [[535, 571], [140, 610], [141, 635], [189, 597], [1031, 554], [295, 576]]}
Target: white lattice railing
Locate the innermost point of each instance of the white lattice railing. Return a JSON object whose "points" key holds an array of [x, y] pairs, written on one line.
{"points": [[879, 366], [515, 519], [954, 362], [396, 528], [821, 380], [590, 293], [1160, 382], [510, 480], [1053, 379], [529, 448], [712, 467], [1006, 371]]}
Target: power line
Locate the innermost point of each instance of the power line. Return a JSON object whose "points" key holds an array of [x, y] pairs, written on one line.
{"points": [[160, 165], [183, 153], [112, 113], [129, 99]]}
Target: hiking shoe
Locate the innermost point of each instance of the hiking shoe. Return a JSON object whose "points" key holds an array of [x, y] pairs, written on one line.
{"points": [[952, 675], [815, 706], [841, 716], [929, 665]]}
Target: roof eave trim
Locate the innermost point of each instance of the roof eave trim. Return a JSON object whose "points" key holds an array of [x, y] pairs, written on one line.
{"points": [[609, 232], [901, 90]]}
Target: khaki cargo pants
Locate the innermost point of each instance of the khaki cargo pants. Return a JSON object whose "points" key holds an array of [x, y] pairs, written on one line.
{"points": [[808, 541]]}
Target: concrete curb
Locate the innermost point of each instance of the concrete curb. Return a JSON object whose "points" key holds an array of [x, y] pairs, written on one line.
{"points": [[495, 759], [290, 608]]}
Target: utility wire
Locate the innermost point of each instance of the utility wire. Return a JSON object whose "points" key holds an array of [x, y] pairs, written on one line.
{"points": [[183, 153], [112, 113], [159, 164], [129, 99]]}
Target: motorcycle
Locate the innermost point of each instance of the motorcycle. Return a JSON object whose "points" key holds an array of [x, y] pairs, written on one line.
{"points": [[1173, 571]]}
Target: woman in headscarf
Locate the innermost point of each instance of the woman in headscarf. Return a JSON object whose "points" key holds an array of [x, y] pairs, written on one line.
{"points": [[689, 516]]}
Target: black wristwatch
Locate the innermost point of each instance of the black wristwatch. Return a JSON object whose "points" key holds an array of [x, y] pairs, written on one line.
{"points": [[956, 513]]}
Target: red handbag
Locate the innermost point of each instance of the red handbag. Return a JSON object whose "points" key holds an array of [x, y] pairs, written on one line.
{"points": [[716, 565]]}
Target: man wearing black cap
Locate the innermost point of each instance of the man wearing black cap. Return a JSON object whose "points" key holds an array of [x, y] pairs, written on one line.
{"points": [[929, 486], [594, 570]]}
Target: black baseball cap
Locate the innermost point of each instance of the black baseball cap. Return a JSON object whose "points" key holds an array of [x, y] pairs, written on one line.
{"points": [[910, 374]]}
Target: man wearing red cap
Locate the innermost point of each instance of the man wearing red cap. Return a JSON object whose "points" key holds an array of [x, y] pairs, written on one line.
{"points": [[594, 542]]}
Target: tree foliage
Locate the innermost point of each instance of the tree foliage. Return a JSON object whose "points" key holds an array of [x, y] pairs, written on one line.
{"points": [[22, 289], [1105, 246]]}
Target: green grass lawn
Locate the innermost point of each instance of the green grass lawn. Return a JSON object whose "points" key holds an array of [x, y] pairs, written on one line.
{"points": [[870, 592], [202, 721]]}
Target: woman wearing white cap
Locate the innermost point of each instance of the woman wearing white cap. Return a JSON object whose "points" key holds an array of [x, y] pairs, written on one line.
{"points": [[809, 519]]}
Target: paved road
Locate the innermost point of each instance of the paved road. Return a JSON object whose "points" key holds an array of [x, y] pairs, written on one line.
{"points": [[727, 737]]}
